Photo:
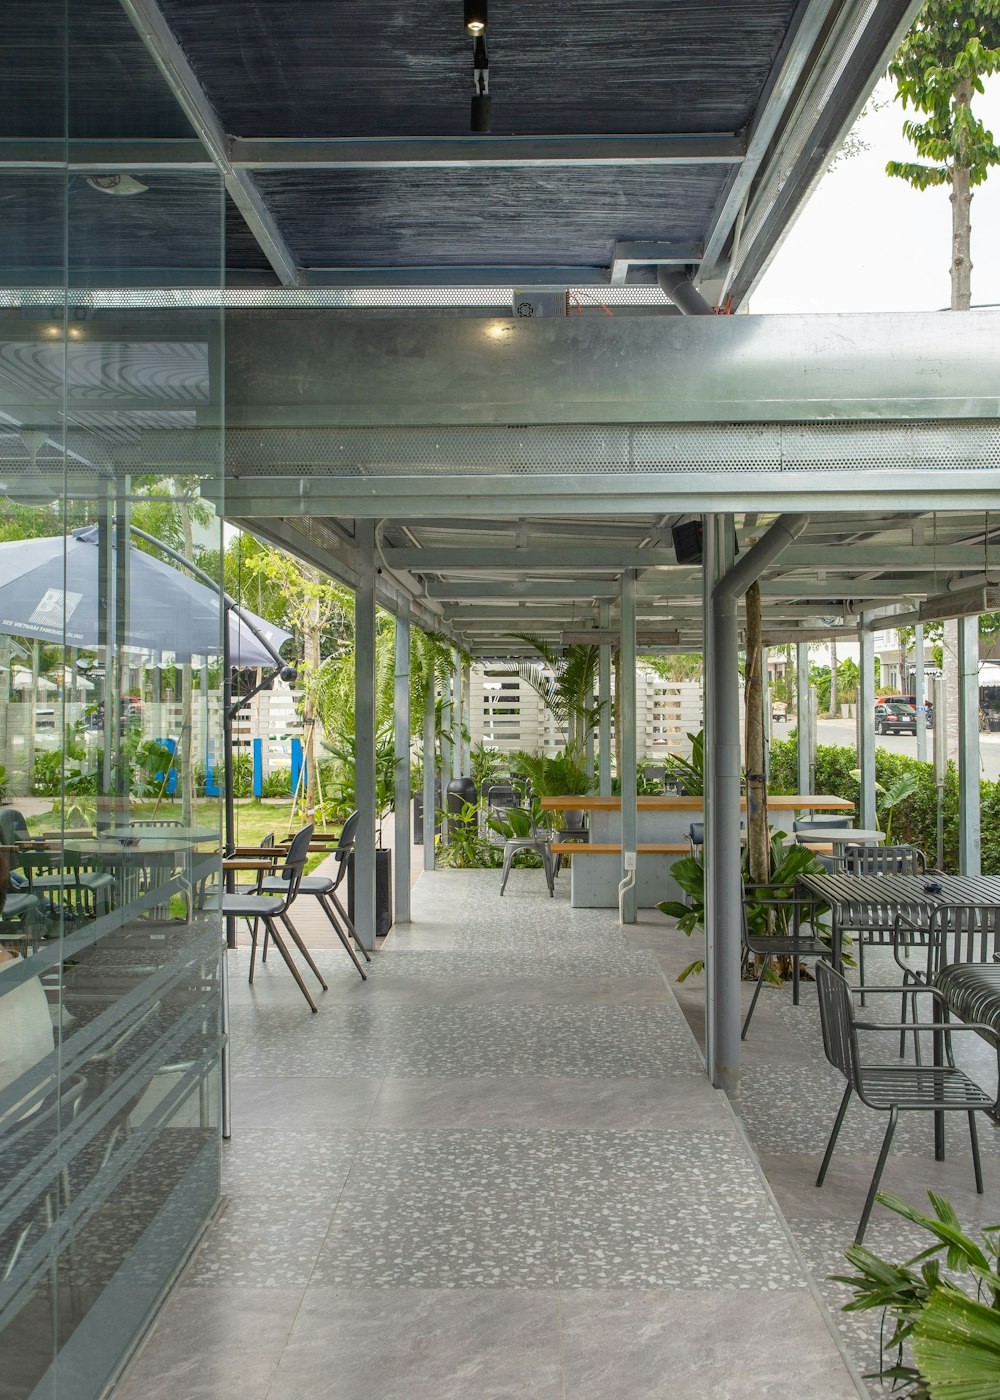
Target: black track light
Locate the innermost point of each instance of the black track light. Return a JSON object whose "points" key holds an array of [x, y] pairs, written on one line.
{"points": [[481, 86], [475, 17]]}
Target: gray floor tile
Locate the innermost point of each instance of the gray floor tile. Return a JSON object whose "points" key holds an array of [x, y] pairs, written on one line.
{"points": [[262, 1242], [212, 1344], [701, 1345], [301, 1102], [422, 1344]]}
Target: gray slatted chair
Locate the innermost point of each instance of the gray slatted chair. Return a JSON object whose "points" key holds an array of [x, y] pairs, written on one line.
{"points": [[779, 921], [894, 1089], [880, 860], [270, 909], [955, 934], [323, 889], [807, 824]]}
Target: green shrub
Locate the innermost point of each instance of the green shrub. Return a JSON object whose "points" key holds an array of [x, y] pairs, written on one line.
{"points": [[277, 784]]}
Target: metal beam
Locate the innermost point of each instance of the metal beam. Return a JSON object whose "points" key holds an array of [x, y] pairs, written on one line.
{"points": [[628, 255], [803, 748], [395, 152], [866, 727], [779, 90], [541, 589], [401, 846], [169, 57], [96, 157], [550, 559]]}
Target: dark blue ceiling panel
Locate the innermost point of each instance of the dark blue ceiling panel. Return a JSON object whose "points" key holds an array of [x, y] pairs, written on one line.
{"points": [[175, 226], [493, 215], [288, 68], [109, 88]]}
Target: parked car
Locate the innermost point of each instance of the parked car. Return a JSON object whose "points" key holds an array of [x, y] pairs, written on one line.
{"points": [[895, 717], [909, 700]]}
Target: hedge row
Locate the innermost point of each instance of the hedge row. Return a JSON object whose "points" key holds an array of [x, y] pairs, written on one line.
{"points": [[914, 820]]}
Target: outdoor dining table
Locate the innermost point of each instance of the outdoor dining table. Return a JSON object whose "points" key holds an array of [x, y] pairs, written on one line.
{"points": [[128, 861], [188, 835], [862, 903]]}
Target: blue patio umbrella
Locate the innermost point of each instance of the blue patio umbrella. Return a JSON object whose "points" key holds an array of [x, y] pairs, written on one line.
{"points": [[49, 591]]}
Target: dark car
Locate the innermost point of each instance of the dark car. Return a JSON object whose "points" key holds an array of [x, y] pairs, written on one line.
{"points": [[895, 717], [910, 700]]}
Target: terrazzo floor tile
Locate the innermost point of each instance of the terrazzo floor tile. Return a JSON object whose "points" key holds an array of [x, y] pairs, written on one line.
{"points": [[422, 1344], [262, 1242], [303, 1102], [307, 1165]]}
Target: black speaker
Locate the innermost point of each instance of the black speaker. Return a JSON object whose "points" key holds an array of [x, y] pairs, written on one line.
{"points": [[687, 541]]}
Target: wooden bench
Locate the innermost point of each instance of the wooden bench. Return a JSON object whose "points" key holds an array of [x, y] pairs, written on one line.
{"points": [[611, 848]]}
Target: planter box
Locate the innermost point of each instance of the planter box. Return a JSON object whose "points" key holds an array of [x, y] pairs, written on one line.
{"points": [[383, 891]]}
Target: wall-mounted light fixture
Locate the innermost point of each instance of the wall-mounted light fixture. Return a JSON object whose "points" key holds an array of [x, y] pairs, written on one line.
{"points": [[480, 85], [475, 16]]}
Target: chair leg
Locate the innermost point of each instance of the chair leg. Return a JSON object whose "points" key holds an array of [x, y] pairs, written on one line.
{"points": [[263, 955], [507, 859], [977, 1165], [253, 946], [879, 1168], [297, 940], [324, 905], [833, 1136], [756, 993], [861, 967], [550, 878], [279, 943], [348, 923]]}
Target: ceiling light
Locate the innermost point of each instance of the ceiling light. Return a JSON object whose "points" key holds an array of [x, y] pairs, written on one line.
{"points": [[116, 184], [475, 16], [480, 86]]}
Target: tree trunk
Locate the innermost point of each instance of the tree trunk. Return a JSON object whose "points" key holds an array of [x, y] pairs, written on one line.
{"points": [[832, 710], [961, 219], [753, 697]]}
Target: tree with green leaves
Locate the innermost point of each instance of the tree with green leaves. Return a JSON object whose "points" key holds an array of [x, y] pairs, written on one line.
{"points": [[939, 68], [565, 684]]}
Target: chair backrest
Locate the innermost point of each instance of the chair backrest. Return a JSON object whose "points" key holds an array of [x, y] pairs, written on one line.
{"points": [[295, 860], [156, 821], [963, 933], [345, 845], [884, 860], [696, 833], [27, 1038], [836, 1016], [266, 843], [13, 828], [822, 823], [501, 795]]}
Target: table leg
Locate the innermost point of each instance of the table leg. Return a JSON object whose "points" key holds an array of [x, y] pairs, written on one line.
{"points": [[938, 1116]]}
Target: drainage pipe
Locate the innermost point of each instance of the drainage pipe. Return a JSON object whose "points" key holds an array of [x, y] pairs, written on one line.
{"points": [[675, 282], [724, 872]]}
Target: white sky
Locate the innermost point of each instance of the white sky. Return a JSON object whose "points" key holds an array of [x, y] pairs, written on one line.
{"points": [[867, 242]]}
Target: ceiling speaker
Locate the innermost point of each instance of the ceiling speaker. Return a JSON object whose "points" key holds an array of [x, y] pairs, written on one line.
{"points": [[687, 542]]}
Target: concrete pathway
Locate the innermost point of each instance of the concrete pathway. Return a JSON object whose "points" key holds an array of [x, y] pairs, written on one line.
{"points": [[494, 1170]]}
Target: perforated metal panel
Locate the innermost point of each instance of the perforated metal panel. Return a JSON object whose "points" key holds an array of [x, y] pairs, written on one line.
{"points": [[125, 298], [528, 451]]}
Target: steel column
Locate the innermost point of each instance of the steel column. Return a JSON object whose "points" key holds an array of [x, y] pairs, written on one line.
{"points": [[969, 835], [444, 767], [920, 692], [364, 737], [802, 715], [456, 719], [765, 699], [626, 711], [430, 816], [866, 725], [604, 723], [711, 572], [401, 788]]}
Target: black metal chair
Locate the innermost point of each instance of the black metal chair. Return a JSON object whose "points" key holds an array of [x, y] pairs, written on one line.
{"points": [[784, 913], [894, 1089], [323, 889], [269, 909], [880, 860]]}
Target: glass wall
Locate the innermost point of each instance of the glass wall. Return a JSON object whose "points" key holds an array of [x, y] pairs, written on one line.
{"points": [[110, 704]]}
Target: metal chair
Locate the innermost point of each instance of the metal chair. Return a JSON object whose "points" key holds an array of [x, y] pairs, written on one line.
{"points": [[784, 911], [894, 1088], [269, 909], [323, 890], [955, 933], [538, 842], [880, 860]]}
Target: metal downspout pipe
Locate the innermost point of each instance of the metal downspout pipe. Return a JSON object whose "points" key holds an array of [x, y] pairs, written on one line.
{"points": [[675, 282], [724, 865]]}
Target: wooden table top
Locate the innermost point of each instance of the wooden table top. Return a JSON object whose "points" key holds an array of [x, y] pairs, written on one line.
{"points": [[670, 802]]}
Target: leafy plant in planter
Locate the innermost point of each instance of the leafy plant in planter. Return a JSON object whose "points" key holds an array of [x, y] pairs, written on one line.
{"points": [[466, 848], [690, 772], [886, 798], [950, 1316], [788, 862]]}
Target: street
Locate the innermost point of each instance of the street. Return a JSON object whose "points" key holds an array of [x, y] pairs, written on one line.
{"points": [[842, 731]]}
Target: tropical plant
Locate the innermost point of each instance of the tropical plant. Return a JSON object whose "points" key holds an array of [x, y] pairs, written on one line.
{"points": [[4, 785], [886, 798], [565, 683], [344, 752], [939, 67], [951, 1319], [466, 847], [277, 784], [555, 775], [487, 766], [690, 772], [788, 862]]}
